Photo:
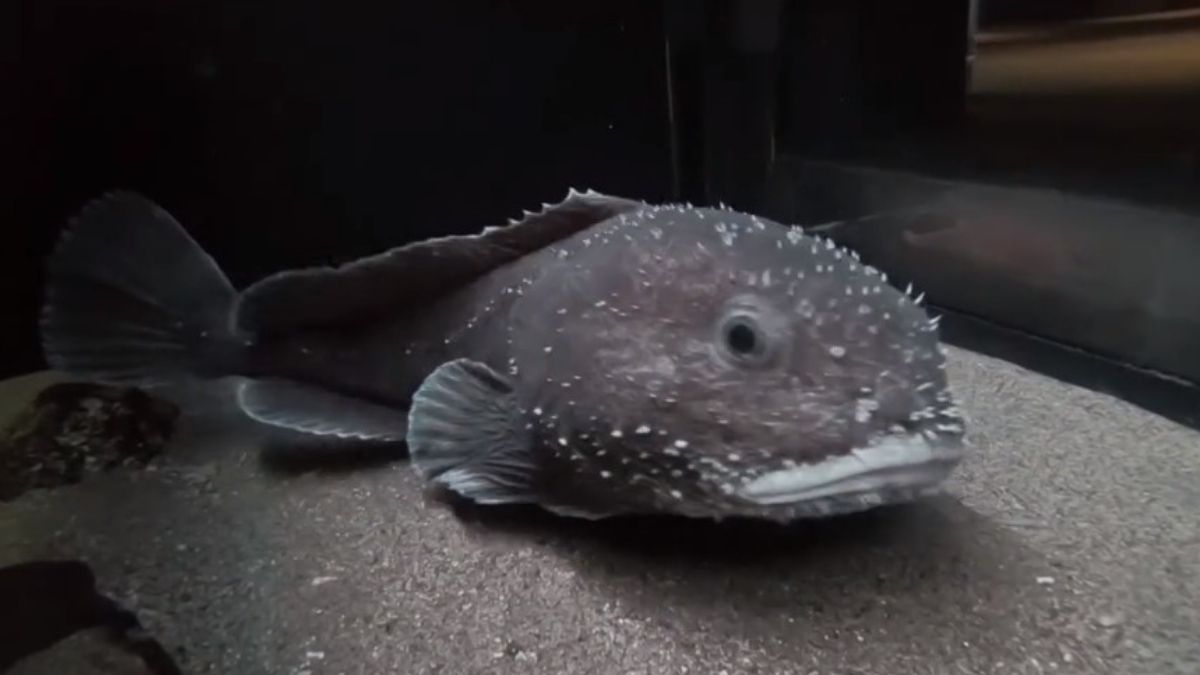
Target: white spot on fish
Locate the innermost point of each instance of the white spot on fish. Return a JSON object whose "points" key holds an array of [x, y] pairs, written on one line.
{"points": [[681, 444], [616, 433], [642, 430], [864, 408], [837, 351], [726, 235]]}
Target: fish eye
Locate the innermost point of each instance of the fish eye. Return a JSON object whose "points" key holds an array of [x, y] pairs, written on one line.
{"points": [[741, 339], [744, 339]]}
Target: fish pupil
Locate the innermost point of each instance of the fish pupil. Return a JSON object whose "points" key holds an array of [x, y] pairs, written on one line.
{"points": [[741, 339]]}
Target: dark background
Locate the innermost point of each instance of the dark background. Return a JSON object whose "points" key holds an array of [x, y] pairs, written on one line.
{"points": [[294, 133], [305, 132], [300, 133]]}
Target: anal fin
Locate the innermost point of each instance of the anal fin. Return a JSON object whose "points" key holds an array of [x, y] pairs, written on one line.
{"points": [[312, 410]]}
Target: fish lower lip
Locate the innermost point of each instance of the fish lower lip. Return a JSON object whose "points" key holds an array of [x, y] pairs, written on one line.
{"points": [[900, 462]]}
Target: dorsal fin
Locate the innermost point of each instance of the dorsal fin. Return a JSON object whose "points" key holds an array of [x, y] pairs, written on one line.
{"points": [[371, 286]]}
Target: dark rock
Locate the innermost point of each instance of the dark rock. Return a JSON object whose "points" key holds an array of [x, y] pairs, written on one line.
{"points": [[72, 429], [88, 652], [54, 620]]}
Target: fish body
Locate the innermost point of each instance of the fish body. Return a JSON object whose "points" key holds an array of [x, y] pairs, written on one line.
{"points": [[603, 356]]}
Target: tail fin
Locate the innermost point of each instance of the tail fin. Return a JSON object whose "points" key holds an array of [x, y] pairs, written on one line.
{"points": [[131, 298]]}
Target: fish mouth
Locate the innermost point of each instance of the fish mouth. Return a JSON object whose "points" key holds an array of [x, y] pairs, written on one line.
{"points": [[892, 469]]}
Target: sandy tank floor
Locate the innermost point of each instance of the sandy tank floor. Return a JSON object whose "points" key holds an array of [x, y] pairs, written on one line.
{"points": [[1069, 542]]}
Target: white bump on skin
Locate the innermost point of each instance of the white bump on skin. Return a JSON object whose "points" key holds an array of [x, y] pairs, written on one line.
{"points": [[681, 444], [642, 430], [892, 462], [864, 408]]}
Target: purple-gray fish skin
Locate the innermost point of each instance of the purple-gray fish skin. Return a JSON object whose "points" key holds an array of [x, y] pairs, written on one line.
{"points": [[600, 357]]}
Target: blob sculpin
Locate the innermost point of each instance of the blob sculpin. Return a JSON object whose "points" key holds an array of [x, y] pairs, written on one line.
{"points": [[602, 356]]}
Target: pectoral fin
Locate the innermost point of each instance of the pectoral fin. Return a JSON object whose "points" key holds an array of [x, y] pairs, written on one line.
{"points": [[466, 432]]}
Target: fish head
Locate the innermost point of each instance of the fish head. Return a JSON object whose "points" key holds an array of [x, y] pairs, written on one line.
{"points": [[753, 369]]}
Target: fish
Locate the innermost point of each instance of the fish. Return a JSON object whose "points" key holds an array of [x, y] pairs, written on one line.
{"points": [[599, 357]]}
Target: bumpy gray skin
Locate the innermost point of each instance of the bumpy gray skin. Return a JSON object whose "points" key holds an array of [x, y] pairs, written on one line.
{"points": [[619, 360], [637, 348], [596, 375]]}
